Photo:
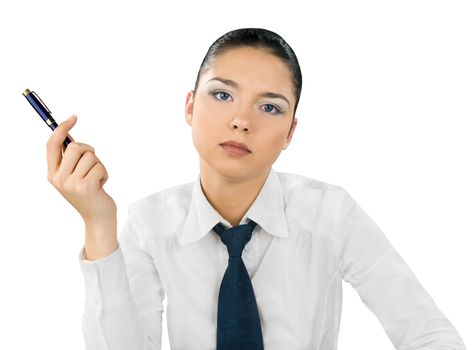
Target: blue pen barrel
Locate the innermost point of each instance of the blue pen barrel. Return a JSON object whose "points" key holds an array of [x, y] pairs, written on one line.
{"points": [[67, 141], [43, 112]]}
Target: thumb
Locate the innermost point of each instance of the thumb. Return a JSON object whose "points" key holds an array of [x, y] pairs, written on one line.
{"points": [[71, 120], [64, 127], [69, 123]]}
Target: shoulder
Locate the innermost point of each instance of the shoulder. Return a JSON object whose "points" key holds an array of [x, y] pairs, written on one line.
{"points": [[170, 196], [313, 203], [165, 207], [297, 186]]}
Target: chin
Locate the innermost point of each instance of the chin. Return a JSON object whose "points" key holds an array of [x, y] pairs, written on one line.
{"points": [[224, 167]]}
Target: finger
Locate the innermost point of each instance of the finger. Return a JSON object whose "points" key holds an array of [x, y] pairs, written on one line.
{"points": [[74, 152], [85, 163], [97, 174], [54, 144], [104, 180], [64, 146]]}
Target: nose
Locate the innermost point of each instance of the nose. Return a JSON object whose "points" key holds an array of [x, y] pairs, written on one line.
{"points": [[237, 125], [242, 119]]}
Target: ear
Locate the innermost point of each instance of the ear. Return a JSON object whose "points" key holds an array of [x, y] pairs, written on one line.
{"points": [[189, 109], [289, 137]]}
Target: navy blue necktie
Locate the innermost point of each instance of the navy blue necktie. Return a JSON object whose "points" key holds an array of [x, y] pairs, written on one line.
{"points": [[238, 322]]}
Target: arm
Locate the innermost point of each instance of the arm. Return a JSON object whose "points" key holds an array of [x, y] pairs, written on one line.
{"points": [[387, 286], [124, 295]]}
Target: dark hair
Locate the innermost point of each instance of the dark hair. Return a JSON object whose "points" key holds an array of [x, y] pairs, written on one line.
{"points": [[258, 38]]}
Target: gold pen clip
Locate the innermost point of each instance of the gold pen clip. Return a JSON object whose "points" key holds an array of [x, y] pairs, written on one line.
{"points": [[41, 101]]}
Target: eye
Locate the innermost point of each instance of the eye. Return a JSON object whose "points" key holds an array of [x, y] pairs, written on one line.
{"points": [[272, 108], [224, 95]]}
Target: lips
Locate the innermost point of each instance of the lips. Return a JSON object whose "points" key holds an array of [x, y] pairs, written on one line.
{"points": [[237, 145]]}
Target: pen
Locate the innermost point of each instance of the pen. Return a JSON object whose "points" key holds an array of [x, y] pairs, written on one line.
{"points": [[43, 111]]}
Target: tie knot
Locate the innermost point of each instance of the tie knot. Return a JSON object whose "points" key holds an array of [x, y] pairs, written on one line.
{"points": [[235, 238]]}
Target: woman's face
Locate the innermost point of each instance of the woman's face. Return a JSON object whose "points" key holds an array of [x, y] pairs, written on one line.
{"points": [[244, 109]]}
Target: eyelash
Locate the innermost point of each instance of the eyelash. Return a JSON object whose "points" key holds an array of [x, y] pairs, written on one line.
{"points": [[215, 92]]}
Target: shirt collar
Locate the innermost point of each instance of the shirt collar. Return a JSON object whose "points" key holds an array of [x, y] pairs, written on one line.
{"points": [[267, 211]]}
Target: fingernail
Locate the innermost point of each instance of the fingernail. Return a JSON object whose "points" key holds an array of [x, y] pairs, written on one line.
{"points": [[72, 117]]}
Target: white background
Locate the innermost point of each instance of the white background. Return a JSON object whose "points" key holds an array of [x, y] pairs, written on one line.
{"points": [[386, 112]]}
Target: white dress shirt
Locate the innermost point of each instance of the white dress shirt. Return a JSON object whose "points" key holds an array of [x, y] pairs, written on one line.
{"points": [[309, 235]]}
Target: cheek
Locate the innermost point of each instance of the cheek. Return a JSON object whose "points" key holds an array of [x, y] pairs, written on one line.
{"points": [[273, 139], [210, 120], [208, 112], [206, 129]]}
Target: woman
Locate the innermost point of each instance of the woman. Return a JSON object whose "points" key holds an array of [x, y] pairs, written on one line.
{"points": [[248, 257]]}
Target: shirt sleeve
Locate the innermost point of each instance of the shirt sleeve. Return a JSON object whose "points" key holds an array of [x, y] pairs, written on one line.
{"points": [[387, 286], [123, 296]]}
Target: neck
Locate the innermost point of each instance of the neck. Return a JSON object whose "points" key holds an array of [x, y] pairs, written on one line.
{"points": [[231, 197]]}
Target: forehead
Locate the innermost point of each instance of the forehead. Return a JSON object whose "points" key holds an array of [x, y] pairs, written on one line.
{"points": [[252, 68]]}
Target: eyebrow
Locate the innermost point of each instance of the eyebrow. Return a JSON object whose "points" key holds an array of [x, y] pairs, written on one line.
{"points": [[263, 94]]}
